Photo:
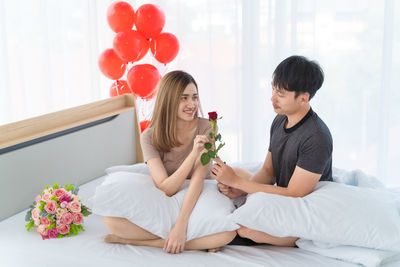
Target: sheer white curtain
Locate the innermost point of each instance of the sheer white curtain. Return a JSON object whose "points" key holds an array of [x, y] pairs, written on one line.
{"points": [[49, 51]]}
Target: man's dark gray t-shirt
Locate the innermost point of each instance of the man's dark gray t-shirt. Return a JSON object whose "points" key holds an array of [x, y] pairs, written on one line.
{"points": [[308, 144]]}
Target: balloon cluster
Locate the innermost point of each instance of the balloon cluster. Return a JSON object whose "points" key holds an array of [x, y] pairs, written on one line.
{"points": [[136, 33]]}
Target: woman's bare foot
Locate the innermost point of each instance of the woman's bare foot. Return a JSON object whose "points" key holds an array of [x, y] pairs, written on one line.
{"points": [[111, 238], [214, 249]]}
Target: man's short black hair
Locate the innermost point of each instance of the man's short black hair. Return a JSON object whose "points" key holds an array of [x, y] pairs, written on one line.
{"points": [[298, 74]]}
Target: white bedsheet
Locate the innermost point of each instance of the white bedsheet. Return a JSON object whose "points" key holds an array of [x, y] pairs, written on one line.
{"points": [[21, 248]]}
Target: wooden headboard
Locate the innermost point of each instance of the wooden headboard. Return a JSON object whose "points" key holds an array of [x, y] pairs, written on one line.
{"points": [[74, 145]]}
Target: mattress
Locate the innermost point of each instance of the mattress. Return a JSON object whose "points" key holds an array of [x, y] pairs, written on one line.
{"points": [[21, 248]]}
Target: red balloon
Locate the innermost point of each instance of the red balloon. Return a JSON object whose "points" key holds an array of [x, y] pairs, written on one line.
{"points": [[150, 20], [165, 47], [151, 95], [111, 65], [120, 16], [143, 79], [119, 87], [144, 125], [144, 50], [128, 45]]}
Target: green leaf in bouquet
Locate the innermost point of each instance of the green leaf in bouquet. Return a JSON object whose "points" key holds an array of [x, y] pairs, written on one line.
{"points": [[205, 159], [75, 190], [85, 211], [74, 229], [29, 225], [28, 216], [55, 185], [211, 135], [51, 226], [43, 214], [60, 236], [70, 187], [211, 154], [208, 145]]}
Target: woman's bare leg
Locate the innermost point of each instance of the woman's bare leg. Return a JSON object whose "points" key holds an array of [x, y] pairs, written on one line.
{"points": [[124, 228], [206, 242], [126, 232]]}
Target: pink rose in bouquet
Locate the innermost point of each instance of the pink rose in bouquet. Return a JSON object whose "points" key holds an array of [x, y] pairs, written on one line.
{"points": [[63, 229], [51, 207], [75, 207], [78, 218], [67, 218], [52, 233], [57, 212], [60, 192]]}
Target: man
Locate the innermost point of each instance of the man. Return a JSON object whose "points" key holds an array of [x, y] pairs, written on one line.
{"points": [[300, 149]]}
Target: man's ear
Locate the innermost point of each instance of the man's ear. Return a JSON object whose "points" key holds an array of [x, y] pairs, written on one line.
{"points": [[304, 98]]}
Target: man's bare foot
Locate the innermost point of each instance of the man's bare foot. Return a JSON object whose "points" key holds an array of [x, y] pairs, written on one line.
{"points": [[111, 238], [214, 249]]}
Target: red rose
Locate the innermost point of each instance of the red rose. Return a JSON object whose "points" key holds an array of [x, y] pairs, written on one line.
{"points": [[212, 116]]}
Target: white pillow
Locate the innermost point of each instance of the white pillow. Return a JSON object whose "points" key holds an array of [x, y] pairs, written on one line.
{"points": [[135, 197], [136, 168], [365, 256], [334, 213]]}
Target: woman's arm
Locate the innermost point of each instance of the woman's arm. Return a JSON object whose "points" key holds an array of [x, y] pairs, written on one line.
{"points": [[175, 243], [171, 184]]}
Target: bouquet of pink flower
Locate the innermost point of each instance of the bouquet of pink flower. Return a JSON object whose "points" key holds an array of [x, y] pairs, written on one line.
{"points": [[57, 212]]}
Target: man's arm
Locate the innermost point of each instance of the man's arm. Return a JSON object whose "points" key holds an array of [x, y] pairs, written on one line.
{"points": [[266, 174], [301, 183]]}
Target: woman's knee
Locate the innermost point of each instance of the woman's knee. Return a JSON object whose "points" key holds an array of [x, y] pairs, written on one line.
{"points": [[112, 223]]}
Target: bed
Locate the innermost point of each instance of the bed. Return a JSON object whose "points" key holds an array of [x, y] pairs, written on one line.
{"points": [[77, 145]]}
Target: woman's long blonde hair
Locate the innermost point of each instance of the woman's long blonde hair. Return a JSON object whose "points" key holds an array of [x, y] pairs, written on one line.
{"points": [[163, 122]]}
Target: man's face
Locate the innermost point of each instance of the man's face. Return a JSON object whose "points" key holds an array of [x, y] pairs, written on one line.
{"points": [[284, 102]]}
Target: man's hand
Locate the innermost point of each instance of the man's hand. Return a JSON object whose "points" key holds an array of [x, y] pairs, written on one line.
{"points": [[223, 173], [230, 191]]}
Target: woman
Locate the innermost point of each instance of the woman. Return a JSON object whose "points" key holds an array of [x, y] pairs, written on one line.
{"points": [[172, 146]]}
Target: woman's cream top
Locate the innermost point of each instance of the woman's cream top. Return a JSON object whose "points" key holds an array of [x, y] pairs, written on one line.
{"points": [[173, 159]]}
